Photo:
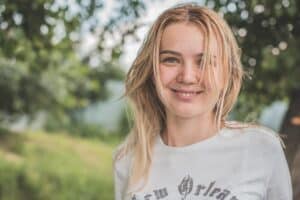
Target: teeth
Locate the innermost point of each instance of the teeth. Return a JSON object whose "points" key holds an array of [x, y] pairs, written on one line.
{"points": [[187, 94]]}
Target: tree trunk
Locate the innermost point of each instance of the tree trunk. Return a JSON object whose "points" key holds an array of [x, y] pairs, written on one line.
{"points": [[291, 128], [296, 175]]}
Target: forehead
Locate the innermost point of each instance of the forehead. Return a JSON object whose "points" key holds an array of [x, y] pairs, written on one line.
{"points": [[186, 38]]}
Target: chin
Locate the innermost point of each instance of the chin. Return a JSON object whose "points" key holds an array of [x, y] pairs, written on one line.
{"points": [[191, 111], [188, 113], [185, 116]]}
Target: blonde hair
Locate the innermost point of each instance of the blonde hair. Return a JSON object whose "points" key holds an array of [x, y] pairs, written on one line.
{"points": [[148, 111]]}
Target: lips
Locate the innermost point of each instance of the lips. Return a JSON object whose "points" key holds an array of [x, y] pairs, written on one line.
{"points": [[186, 94], [187, 91]]}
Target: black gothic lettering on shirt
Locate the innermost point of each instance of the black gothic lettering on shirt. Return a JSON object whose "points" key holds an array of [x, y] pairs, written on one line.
{"points": [[147, 196], [160, 193], [215, 190], [198, 190], [209, 188], [223, 194], [185, 187]]}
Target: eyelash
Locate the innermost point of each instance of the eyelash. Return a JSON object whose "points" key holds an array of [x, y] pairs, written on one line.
{"points": [[171, 59], [174, 59]]}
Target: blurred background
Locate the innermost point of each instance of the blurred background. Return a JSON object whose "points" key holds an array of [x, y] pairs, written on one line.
{"points": [[62, 67]]}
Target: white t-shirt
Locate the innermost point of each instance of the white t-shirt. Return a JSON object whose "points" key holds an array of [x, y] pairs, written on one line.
{"points": [[235, 164]]}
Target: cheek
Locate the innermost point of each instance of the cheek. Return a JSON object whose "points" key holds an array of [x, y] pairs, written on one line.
{"points": [[216, 83], [167, 74], [220, 80]]}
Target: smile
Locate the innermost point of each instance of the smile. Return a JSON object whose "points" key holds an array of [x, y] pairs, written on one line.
{"points": [[186, 95]]}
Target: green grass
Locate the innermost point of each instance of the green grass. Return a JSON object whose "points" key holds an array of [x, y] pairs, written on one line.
{"points": [[36, 165]]}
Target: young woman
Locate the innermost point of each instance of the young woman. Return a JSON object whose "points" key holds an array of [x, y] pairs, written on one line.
{"points": [[182, 85]]}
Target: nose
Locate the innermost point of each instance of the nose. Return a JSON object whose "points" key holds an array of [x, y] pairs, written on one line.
{"points": [[188, 74]]}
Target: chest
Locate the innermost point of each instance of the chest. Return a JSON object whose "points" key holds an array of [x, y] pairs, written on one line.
{"points": [[205, 176]]}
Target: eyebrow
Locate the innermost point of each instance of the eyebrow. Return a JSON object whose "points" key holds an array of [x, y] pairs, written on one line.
{"points": [[175, 53]]}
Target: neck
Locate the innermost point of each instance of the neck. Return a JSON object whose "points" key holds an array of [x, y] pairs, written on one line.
{"points": [[185, 131]]}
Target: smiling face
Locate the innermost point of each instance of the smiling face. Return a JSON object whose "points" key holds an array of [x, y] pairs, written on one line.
{"points": [[188, 89]]}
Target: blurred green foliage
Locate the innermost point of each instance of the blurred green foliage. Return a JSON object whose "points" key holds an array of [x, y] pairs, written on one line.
{"points": [[268, 33], [87, 130], [40, 67], [38, 166]]}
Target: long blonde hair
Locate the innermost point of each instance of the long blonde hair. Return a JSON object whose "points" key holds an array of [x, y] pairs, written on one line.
{"points": [[148, 111]]}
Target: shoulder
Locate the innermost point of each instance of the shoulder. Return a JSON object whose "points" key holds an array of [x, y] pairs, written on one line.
{"points": [[256, 138], [263, 136], [261, 142], [261, 147], [256, 132], [121, 171], [121, 161]]}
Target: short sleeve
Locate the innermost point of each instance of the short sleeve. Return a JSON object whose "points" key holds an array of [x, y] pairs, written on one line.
{"points": [[279, 185]]}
